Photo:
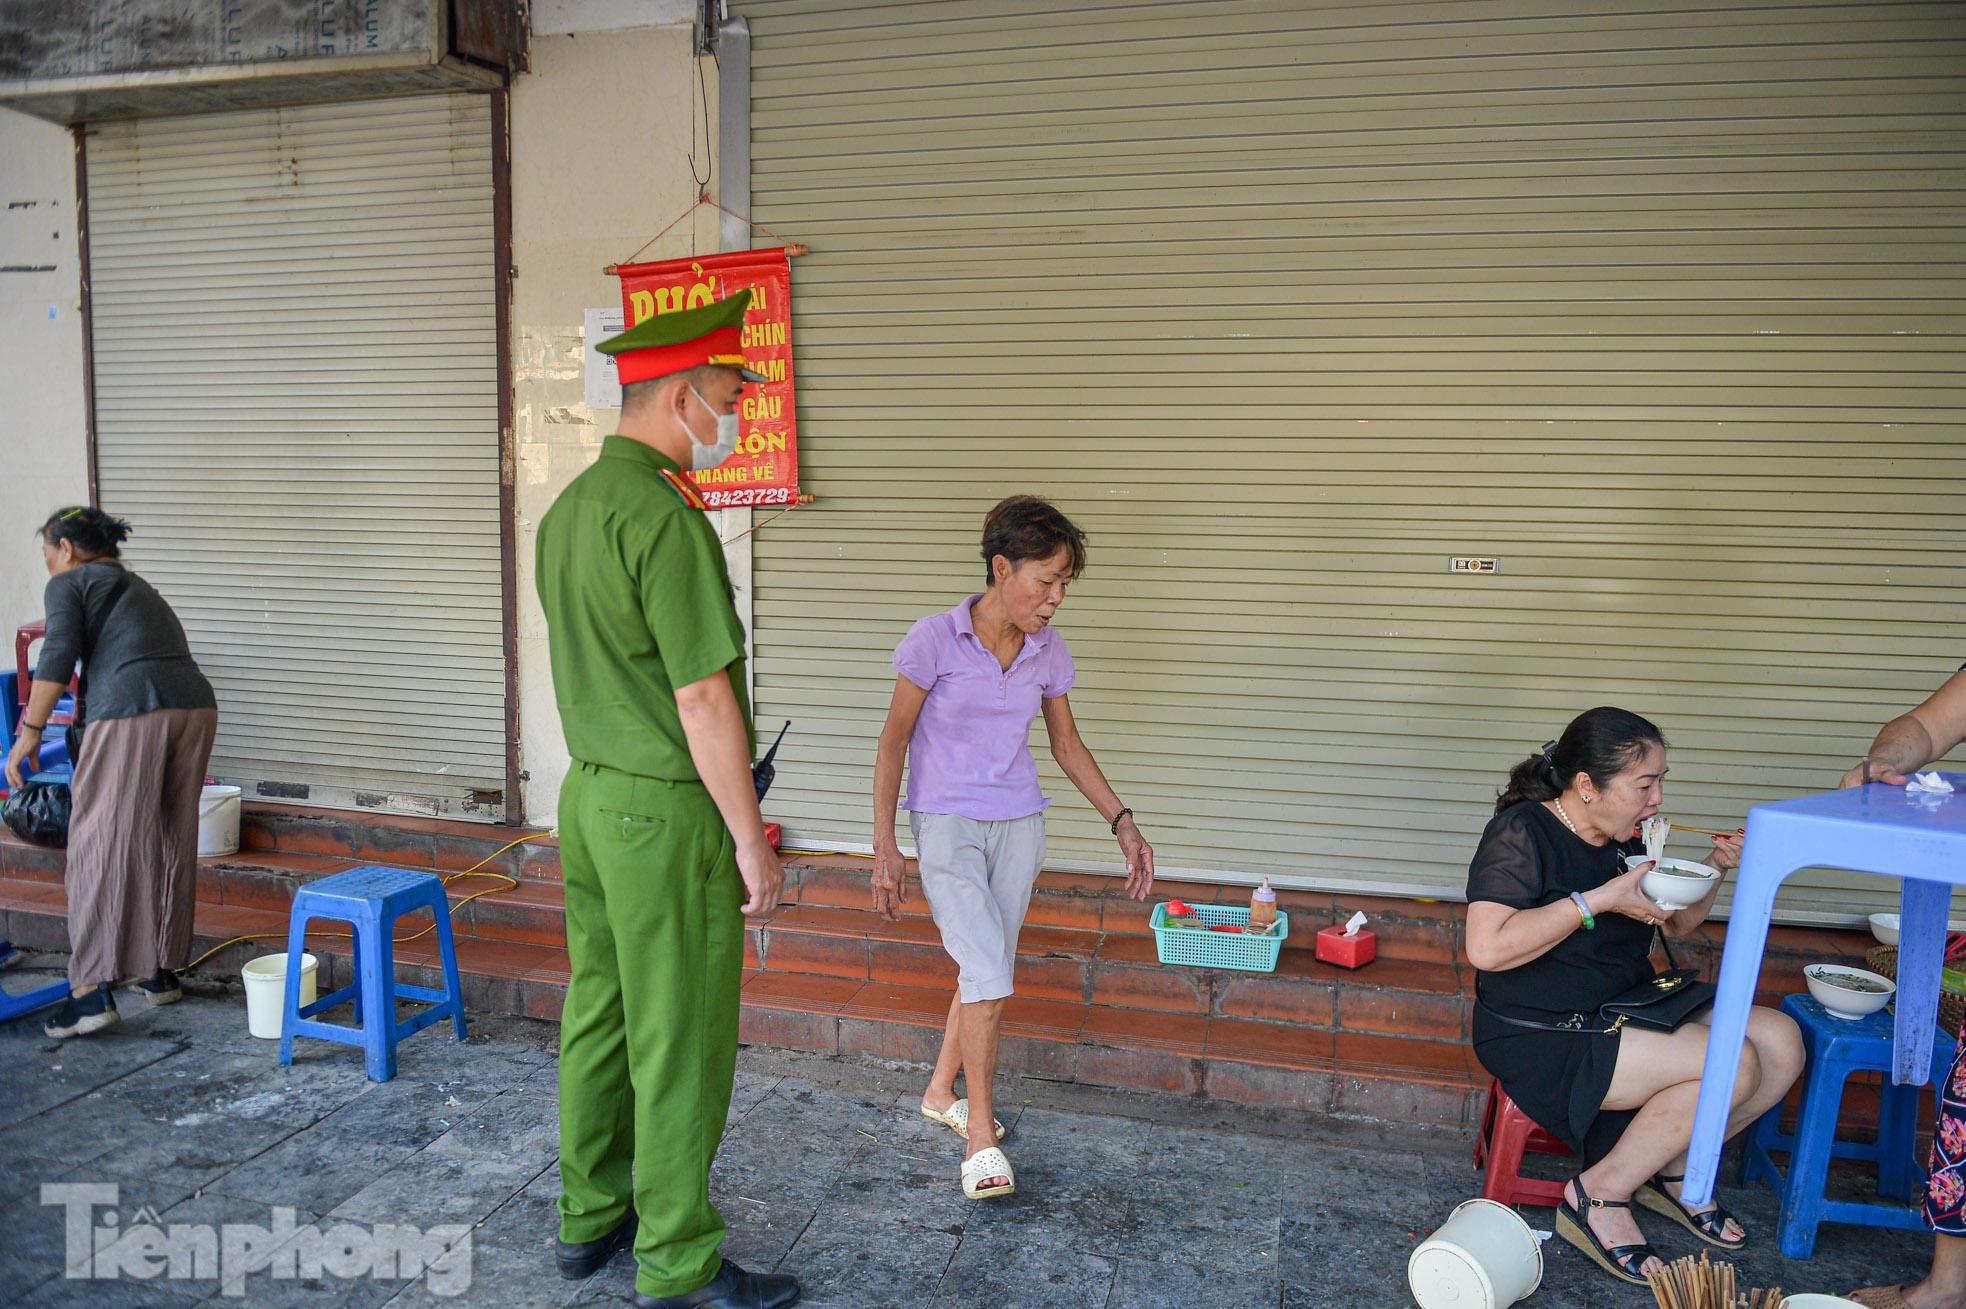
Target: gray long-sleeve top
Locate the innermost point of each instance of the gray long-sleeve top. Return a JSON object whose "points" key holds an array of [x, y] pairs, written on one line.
{"points": [[141, 661]]}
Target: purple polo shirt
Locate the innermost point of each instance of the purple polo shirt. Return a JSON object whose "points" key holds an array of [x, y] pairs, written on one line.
{"points": [[971, 752]]}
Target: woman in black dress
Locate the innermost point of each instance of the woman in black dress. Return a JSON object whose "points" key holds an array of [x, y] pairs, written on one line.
{"points": [[1556, 927]]}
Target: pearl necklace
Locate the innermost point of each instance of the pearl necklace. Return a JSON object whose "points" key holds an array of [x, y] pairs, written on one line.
{"points": [[1558, 802]]}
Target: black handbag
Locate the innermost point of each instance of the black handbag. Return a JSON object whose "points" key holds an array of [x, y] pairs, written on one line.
{"points": [[1661, 1003], [38, 812]]}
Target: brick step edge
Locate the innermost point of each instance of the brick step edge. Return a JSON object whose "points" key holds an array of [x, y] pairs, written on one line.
{"points": [[493, 987], [534, 985]]}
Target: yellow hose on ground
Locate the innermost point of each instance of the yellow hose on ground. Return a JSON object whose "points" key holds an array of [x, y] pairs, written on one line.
{"points": [[510, 883]]}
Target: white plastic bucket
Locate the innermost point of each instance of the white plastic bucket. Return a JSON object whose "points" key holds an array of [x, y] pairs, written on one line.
{"points": [[1483, 1257], [266, 991], [1819, 1302], [218, 821]]}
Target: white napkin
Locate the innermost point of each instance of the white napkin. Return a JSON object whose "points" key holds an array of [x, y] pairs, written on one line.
{"points": [[1928, 784], [1353, 923]]}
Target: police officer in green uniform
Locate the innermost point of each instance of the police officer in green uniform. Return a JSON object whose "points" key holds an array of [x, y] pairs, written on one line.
{"points": [[661, 843]]}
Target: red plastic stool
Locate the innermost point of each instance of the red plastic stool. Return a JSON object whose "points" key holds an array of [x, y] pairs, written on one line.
{"points": [[25, 636], [1507, 1134]]}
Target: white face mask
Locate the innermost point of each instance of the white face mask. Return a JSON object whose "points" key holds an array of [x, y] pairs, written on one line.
{"points": [[703, 456]]}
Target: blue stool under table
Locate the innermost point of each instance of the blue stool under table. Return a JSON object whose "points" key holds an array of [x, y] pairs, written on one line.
{"points": [[14, 1006], [1838, 1047], [371, 899]]}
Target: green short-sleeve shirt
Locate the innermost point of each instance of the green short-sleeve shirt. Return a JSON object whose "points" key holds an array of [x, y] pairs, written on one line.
{"points": [[638, 603]]}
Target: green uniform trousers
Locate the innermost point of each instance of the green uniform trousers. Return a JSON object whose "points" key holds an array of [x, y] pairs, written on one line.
{"points": [[648, 1038]]}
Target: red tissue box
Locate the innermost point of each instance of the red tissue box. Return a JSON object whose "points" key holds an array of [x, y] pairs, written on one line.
{"points": [[1334, 947]]}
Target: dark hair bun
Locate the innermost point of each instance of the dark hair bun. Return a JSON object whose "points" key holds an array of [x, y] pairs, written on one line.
{"points": [[92, 532], [1601, 742]]}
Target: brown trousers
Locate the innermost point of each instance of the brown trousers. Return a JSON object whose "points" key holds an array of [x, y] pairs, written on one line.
{"points": [[133, 844]]}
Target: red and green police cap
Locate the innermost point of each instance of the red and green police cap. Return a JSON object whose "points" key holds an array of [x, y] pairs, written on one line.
{"points": [[681, 339]]}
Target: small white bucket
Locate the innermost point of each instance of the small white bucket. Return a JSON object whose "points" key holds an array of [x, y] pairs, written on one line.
{"points": [[218, 821], [266, 991], [1483, 1257], [1819, 1302]]}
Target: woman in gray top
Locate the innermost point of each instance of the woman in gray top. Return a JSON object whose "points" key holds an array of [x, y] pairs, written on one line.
{"points": [[151, 716]]}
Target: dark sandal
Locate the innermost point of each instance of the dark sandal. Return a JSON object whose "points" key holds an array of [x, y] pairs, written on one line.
{"points": [[1618, 1260], [1707, 1226]]}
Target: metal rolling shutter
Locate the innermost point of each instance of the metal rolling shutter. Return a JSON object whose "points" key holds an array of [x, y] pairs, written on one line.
{"points": [[296, 405], [1288, 303]]}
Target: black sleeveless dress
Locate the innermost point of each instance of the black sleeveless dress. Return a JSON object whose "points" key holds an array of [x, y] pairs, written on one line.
{"points": [[1527, 858]]}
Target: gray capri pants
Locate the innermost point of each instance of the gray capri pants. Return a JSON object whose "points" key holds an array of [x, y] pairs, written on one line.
{"points": [[978, 878]]}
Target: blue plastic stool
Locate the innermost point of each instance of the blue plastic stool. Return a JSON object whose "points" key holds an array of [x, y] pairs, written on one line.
{"points": [[371, 899], [14, 1006], [1838, 1047]]}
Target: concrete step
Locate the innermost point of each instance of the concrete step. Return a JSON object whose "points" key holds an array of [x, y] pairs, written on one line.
{"points": [[1240, 1060]]}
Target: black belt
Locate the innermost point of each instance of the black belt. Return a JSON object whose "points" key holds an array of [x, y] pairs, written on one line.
{"points": [[1576, 1022]]}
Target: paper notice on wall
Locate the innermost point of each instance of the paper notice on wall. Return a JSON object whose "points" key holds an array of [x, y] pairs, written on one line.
{"points": [[603, 383]]}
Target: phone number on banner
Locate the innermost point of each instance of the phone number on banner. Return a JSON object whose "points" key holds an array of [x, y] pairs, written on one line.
{"points": [[763, 495]]}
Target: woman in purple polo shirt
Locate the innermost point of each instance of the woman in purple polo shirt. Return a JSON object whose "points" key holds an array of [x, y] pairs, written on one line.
{"points": [[971, 680]]}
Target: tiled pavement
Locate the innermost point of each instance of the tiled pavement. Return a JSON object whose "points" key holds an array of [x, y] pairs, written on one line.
{"points": [[1125, 1199]]}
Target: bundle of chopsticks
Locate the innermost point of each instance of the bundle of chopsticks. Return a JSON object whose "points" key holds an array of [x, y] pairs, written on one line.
{"points": [[1702, 1284]]}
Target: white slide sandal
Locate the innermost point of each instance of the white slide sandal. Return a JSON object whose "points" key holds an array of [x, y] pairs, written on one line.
{"points": [[982, 1166]]}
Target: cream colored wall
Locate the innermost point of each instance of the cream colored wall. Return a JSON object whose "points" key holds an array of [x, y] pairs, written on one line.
{"points": [[43, 422], [600, 137]]}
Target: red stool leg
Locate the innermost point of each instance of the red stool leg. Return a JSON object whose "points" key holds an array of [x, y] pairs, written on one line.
{"points": [[1508, 1134], [1487, 1120], [1505, 1149]]}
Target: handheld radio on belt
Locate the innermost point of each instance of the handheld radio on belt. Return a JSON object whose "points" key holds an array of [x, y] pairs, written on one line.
{"points": [[764, 770]]}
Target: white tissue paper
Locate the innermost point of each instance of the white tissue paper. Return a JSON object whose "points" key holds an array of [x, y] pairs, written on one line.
{"points": [[1353, 923], [1928, 784]]}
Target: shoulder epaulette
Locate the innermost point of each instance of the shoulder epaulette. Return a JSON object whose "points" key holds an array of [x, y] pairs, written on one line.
{"points": [[681, 486]]}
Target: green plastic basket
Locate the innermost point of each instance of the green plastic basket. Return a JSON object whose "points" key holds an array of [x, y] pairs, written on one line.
{"points": [[1199, 949]]}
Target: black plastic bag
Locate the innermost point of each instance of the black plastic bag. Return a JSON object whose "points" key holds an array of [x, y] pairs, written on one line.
{"points": [[38, 812]]}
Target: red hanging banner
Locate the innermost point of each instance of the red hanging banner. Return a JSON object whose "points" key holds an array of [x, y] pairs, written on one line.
{"points": [[764, 470]]}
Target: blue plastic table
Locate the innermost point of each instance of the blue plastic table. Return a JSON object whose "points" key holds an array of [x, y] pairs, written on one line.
{"points": [[1871, 829]]}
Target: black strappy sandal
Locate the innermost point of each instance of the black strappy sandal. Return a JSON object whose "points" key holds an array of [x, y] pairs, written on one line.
{"points": [[1621, 1261], [1707, 1226]]}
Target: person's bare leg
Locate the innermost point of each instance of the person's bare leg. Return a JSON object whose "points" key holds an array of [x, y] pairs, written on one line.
{"points": [[1777, 1044], [941, 1091], [1655, 1135], [1658, 1074], [981, 1024], [1945, 1286]]}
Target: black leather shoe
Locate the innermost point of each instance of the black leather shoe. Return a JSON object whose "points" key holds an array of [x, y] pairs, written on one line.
{"points": [[731, 1288], [582, 1259]]}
